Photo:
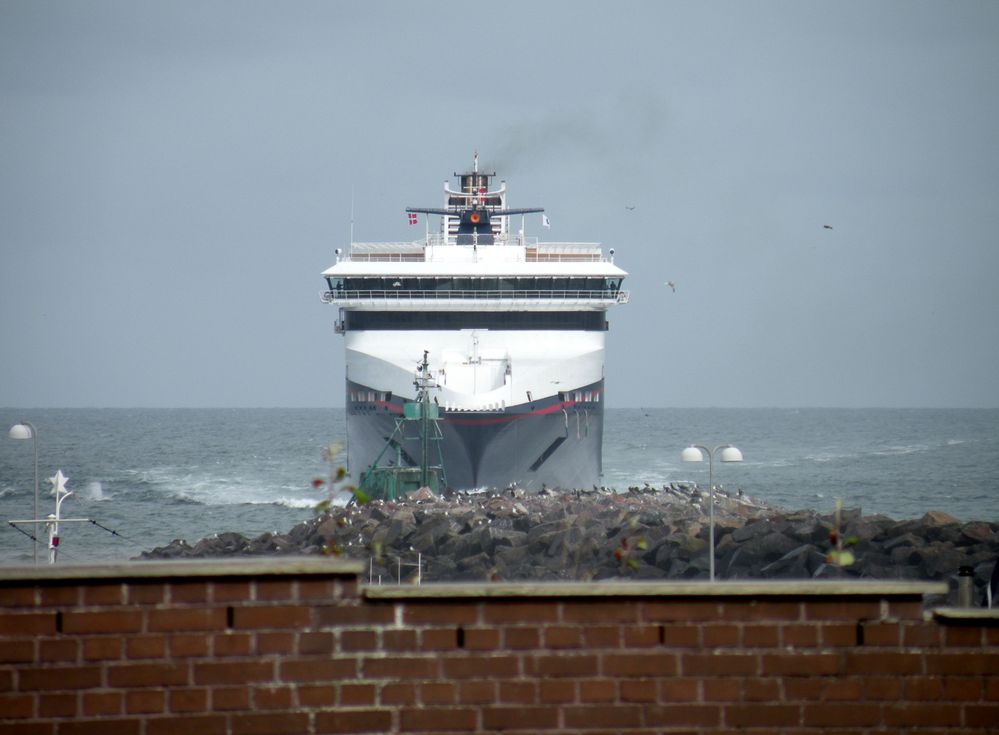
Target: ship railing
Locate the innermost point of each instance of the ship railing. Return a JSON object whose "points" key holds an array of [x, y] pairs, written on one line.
{"points": [[533, 250], [341, 296]]}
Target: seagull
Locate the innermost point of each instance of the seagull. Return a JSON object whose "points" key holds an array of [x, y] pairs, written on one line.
{"points": [[629, 207], [826, 227], [671, 285]]}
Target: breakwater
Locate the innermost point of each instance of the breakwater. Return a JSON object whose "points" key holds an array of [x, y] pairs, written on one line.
{"points": [[646, 533]]}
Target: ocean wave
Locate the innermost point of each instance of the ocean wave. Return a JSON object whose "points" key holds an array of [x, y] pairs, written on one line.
{"points": [[900, 450]]}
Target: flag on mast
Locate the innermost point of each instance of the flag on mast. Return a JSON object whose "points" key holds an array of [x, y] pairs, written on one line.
{"points": [[412, 218], [545, 221]]}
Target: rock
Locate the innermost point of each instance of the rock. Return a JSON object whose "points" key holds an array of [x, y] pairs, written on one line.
{"points": [[938, 518]]}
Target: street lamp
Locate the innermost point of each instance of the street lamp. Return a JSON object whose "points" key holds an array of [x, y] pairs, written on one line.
{"points": [[25, 430], [695, 453]]}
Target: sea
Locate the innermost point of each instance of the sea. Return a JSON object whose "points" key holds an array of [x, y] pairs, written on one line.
{"points": [[141, 478]]}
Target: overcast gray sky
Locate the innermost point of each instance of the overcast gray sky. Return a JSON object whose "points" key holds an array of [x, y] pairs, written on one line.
{"points": [[174, 176]]}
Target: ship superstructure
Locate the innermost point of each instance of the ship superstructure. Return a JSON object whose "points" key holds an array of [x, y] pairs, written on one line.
{"points": [[513, 330]]}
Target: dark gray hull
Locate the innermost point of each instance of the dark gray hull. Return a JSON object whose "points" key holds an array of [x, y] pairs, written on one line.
{"points": [[554, 443]]}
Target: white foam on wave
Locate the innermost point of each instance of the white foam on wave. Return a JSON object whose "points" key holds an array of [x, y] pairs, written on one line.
{"points": [[900, 450], [94, 491]]}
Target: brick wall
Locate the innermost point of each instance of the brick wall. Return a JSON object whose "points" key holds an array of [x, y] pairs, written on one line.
{"points": [[298, 646]]}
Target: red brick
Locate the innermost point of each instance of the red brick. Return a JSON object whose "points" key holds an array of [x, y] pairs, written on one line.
{"points": [[316, 589], [188, 645], [403, 667], [201, 724], [715, 636], [76, 677], [322, 695], [518, 692], [273, 590], [639, 690], [761, 715], [800, 664], [724, 664], [883, 662], [905, 609], [276, 616], [556, 691], [273, 697], [922, 688], [358, 640], [101, 727], [882, 688], [146, 675], [444, 692], [759, 610], [464, 667], [610, 716], [639, 664], [838, 715], [438, 639], [146, 646], [397, 693], [98, 704], [362, 720], [570, 664], [56, 705], [105, 648], [316, 643], [760, 690], [316, 670], [402, 640], [847, 609], [16, 706], [342, 615], [231, 591], [59, 649], [29, 728], [193, 591], [921, 634], [963, 636], [440, 614], [962, 689], [521, 638], [590, 613], [680, 611], [139, 593], [232, 644], [275, 642], [838, 634], [196, 618], [881, 634], [187, 700], [145, 701], [983, 716], [561, 636], [111, 621], [838, 689], [727, 689], [922, 715], [231, 699], [965, 663], [681, 636], [232, 673], [519, 718], [597, 690], [802, 688], [481, 639], [437, 719], [504, 611], [679, 690], [635, 636], [760, 636], [269, 724], [13, 652], [681, 715], [800, 635], [354, 695], [27, 624], [17, 597], [104, 594], [68, 596]]}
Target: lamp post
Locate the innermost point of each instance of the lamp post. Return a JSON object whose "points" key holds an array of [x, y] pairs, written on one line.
{"points": [[695, 453], [25, 430]]}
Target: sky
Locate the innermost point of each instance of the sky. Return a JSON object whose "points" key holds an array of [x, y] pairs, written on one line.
{"points": [[174, 177]]}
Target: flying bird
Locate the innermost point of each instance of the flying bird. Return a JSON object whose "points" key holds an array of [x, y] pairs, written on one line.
{"points": [[826, 227], [671, 285], [629, 207]]}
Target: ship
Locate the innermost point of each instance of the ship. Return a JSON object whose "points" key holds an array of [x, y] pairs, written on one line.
{"points": [[476, 349]]}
